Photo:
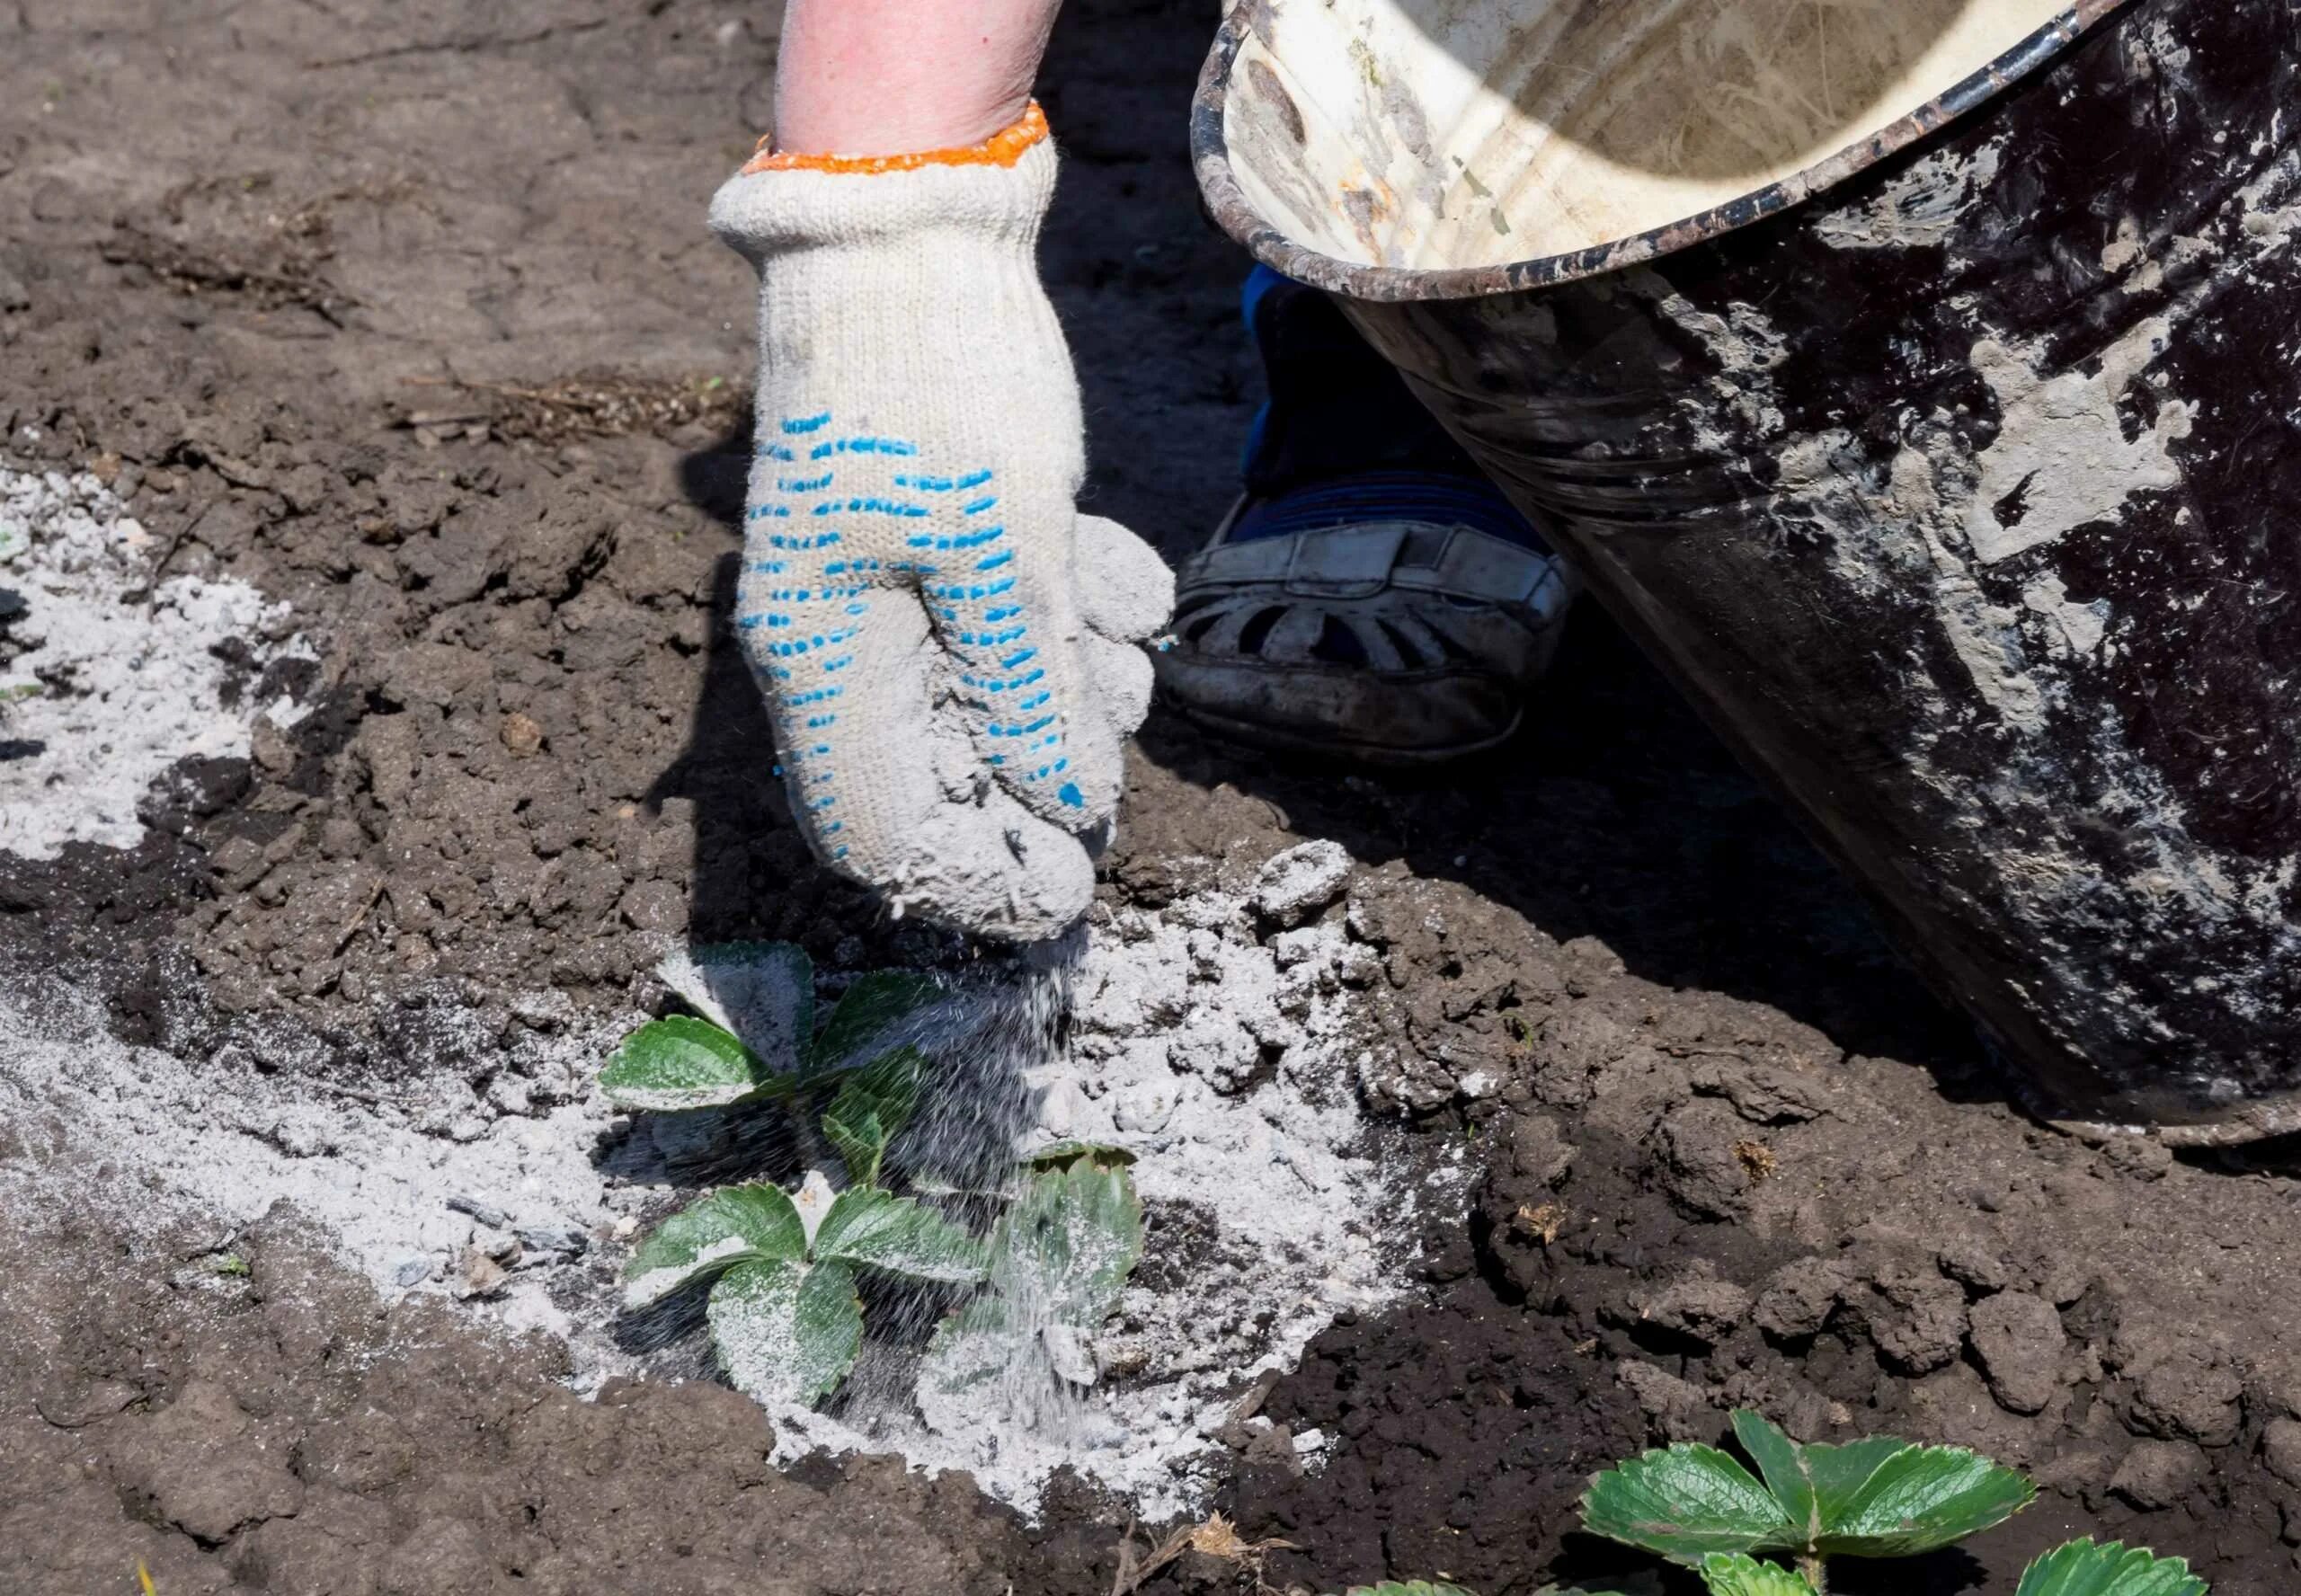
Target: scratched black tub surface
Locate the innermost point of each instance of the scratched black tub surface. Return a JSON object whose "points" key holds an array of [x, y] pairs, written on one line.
{"points": [[1926, 399]]}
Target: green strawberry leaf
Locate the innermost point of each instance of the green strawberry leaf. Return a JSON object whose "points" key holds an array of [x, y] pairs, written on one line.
{"points": [[868, 1227], [873, 1005], [683, 1062], [1920, 1499], [1684, 1503], [1813, 1483], [1782, 1463], [862, 1146], [762, 991], [1839, 1473], [1733, 1575], [729, 1227], [1405, 1588], [785, 1331], [872, 1105], [2083, 1568]]}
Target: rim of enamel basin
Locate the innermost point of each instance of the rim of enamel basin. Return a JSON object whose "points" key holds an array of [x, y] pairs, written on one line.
{"points": [[1211, 156]]}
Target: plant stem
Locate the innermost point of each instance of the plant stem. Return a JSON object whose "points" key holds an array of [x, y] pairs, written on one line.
{"points": [[1811, 1567]]}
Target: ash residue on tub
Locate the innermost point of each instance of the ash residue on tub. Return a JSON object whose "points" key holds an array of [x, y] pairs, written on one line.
{"points": [[1997, 511]]}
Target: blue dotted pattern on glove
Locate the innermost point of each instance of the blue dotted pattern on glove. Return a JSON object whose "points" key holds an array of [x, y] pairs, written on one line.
{"points": [[801, 632]]}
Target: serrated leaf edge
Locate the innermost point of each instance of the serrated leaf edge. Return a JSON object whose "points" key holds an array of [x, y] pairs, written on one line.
{"points": [[1653, 1454]]}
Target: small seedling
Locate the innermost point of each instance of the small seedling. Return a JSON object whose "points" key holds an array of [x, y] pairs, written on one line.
{"points": [[782, 1265], [1882, 1497], [1874, 1498], [784, 1312]]}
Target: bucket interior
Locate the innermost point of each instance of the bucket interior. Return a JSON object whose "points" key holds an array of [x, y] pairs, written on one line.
{"points": [[1431, 133]]}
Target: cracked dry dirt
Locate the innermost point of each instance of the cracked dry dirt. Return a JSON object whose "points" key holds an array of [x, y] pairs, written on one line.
{"points": [[405, 314]]}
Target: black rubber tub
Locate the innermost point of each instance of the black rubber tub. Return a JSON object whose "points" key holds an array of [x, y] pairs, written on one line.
{"points": [[1927, 399]]}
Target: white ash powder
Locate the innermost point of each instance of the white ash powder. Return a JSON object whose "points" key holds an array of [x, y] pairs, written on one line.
{"points": [[1228, 1061], [1209, 1038], [376, 1167], [102, 687]]}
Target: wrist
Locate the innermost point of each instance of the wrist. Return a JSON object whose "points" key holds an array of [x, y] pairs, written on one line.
{"points": [[848, 127]]}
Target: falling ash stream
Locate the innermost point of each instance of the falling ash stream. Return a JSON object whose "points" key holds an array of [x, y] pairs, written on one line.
{"points": [[996, 1045]]}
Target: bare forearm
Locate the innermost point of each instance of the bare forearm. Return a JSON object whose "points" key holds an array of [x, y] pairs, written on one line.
{"points": [[877, 78]]}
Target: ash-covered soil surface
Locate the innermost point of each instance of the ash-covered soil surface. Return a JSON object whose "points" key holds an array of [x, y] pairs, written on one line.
{"points": [[404, 313]]}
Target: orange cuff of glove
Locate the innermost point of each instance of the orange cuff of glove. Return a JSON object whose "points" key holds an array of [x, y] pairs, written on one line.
{"points": [[1002, 148]]}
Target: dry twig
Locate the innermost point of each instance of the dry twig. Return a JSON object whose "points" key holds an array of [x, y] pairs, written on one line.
{"points": [[1217, 1538]]}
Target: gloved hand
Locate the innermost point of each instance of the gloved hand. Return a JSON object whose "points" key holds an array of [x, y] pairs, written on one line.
{"points": [[947, 646]]}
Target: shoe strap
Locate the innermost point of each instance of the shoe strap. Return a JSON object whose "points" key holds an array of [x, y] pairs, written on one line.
{"points": [[1362, 561]]}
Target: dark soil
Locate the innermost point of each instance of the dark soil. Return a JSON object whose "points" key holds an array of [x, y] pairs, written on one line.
{"points": [[404, 312]]}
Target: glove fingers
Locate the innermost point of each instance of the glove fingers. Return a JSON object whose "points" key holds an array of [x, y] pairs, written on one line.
{"points": [[1125, 592], [1011, 625], [862, 749], [1124, 681]]}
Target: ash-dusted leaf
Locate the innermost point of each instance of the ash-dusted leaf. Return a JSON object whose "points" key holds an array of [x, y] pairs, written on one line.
{"points": [[726, 1229], [2083, 1568], [1063, 1250], [1684, 1503], [1059, 1258], [1405, 1588], [872, 1105], [1921, 1499], [869, 1227], [762, 991], [1062, 1155], [681, 1062], [786, 1332], [873, 1007], [970, 1348], [1730, 1573], [1813, 1483]]}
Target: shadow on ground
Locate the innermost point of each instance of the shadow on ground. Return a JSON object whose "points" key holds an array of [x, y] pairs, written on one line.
{"points": [[1614, 814]]}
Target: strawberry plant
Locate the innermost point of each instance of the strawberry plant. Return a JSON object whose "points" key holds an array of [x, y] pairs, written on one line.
{"points": [[784, 1312], [1882, 1497], [783, 1266], [1875, 1498]]}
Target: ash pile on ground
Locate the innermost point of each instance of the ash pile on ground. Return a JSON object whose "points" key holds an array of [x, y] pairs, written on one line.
{"points": [[1222, 1041], [113, 671], [441, 1145]]}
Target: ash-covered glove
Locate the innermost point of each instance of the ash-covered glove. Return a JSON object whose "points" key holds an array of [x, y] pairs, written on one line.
{"points": [[947, 647]]}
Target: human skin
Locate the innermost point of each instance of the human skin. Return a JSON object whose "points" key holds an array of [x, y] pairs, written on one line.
{"points": [[887, 77]]}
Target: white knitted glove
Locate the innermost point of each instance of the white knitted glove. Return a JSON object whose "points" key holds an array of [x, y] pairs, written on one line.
{"points": [[946, 645]]}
